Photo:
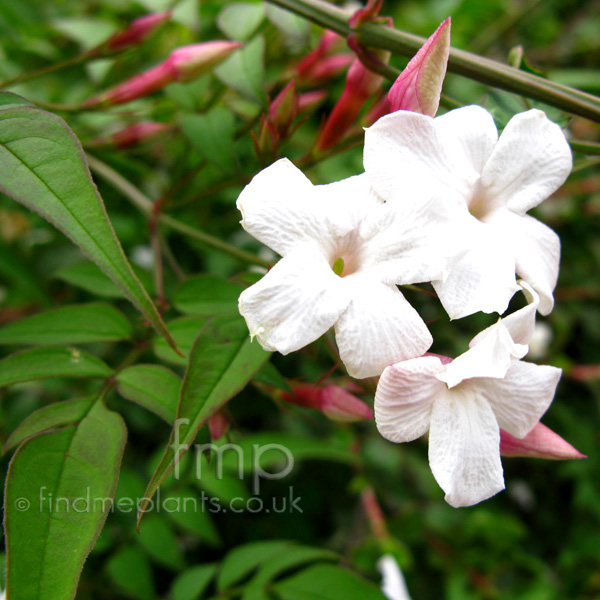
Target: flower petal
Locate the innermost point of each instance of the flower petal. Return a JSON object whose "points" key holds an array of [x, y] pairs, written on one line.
{"points": [[378, 328], [297, 301], [406, 152], [411, 244], [537, 252], [464, 448], [404, 396], [484, 278], [531, 160], [491, 356], [281, 208], [522, 397]]}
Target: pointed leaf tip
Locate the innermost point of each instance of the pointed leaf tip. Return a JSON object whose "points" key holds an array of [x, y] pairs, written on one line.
{"points": [[419, 86]]}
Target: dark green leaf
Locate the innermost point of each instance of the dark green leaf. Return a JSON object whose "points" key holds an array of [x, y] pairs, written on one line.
{"points": [[48, 417], [221, 363], [130, 569], [185, 331], [190, 585], [78, 324], [159, 541], [239, 563], [55, 361], [239, 20], [212, 135], [207, 296], [153, 387], [69, 478], [42, 165], [244, 71], [8, 99], [186, 510], [327, 582], [88, 276]]}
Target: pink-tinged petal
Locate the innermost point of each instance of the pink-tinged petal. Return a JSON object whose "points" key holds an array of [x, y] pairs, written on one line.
{"points": [[407, 154], [540, 442], [464, 448], [484, 278], [419, 86], [378, 328], [531, 161], [404, 397], [137, 31], [416, 243], [295, 303], [522, 397], [537, 251]]}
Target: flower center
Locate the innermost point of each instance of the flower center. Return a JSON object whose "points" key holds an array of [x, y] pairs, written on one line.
{"points": [[345, 257], [481, 205]]}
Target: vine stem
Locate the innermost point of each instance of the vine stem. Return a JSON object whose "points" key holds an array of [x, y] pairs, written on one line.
{"points": [[145, 205], [472, 66]]}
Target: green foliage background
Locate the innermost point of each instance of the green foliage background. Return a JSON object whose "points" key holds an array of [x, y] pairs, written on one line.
{"points": [[538, 540]]}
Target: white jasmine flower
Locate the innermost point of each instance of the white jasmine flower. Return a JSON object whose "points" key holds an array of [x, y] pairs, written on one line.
{"points": [[492, 182], [464, 403], [344, 251]]}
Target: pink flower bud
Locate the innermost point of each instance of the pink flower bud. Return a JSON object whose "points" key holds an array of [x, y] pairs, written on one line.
{"points": [[284, 110], [364, 15], [133, 135], [328, 41], [192, 61], [333, 401], [419, 86], [361, 85], [339, 405], [137, 32], [183, 64], [326, 69], [310, 101], [540, 442], [218, 426]]}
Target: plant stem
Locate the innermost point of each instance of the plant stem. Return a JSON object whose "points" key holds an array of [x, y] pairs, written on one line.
{"points": [[146, 205], [75, 60], [461, 62]]}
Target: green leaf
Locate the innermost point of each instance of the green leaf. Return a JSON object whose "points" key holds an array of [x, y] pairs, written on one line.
{"points": [[244, 71], [293, 557], [207, 296], [152, 386], [185, 331], [49, 542], [48, 417], [224, 486], [221, 363], [271, 376], [159, 541], [327, 582], [130, 569], [54, 361], [212, 134], [295, 29], [299, 446], [10, 99], [241, 561], [189, 514], [192, 583], [78, 324], [42, 166], [239, 20], [89, 277]]}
